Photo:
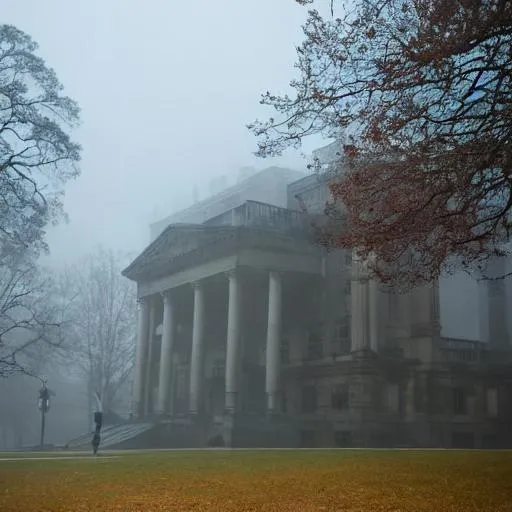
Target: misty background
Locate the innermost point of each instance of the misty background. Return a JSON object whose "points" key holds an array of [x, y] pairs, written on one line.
{"points": [[166, 89]]}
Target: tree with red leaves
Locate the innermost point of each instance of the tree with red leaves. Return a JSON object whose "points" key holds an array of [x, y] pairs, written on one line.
{"points": [[419, 94]]}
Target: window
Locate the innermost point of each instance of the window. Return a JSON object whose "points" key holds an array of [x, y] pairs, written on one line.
{"points": [[459, 401], [393, 398], [394, 306], [285, 350], [339, 397], [219, 367], [307, 438], [496, 288], [315, 343], [492, 402], [489, 442], [309, 399], [467, 355], [463, 440], [181, 382], [341, 338]]}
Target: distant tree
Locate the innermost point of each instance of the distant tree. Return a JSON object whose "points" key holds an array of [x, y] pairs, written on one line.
{"points": [[419, 94], [32, 317], [37, 155], [36, 158], [101, 329]]}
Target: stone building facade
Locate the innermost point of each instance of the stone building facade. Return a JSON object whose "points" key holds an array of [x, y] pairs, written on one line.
{"points": [[249, 330]]}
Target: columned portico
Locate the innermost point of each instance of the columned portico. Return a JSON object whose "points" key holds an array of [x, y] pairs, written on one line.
{"points": [[196, 360], [233, 341], [140, 357], [165, 377], [185, 359], [273, 351], [360, 291], [261, 294]]}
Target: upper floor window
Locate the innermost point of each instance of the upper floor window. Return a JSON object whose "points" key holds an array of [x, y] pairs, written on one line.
{"points": [[394, 305], [285, 350], [309, 399], [492, 402], [460, 402], [393, 398], [181, 382], [341, 338], [315, 343], [340, 397]]}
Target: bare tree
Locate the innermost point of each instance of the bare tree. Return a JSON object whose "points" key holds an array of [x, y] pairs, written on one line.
{"points": [[37, 155], [101, 332], [32, 316], [419, 92]]}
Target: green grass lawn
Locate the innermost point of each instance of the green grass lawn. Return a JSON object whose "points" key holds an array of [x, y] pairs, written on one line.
{"points": [[344, 480]]}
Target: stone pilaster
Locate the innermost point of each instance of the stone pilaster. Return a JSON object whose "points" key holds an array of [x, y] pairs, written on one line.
{"points": [[360, 295], [273, 352], [409, 394], [424, 315], [196, 364], [233, 342], [374, 305], [498, 308]]}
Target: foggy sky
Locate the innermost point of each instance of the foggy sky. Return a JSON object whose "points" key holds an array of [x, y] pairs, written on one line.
{"points": [[166, 88]]}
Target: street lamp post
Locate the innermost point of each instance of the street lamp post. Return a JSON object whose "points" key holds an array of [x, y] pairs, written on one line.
{"points": [[43, 405]]}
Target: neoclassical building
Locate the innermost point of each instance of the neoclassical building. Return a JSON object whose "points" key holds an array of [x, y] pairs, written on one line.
{"points": [[249, 330]]}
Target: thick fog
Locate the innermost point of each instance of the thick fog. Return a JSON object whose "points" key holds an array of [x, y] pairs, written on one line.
{"points": [[166, 89]]}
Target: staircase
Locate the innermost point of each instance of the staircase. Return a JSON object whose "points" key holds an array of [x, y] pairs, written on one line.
{"points": [[111, 436]]}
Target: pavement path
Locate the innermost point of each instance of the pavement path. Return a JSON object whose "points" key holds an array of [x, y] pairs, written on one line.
{"points": [[71, 457]]}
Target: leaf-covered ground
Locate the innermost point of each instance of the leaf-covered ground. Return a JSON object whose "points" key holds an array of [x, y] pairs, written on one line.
{"points": [[278, 481]]}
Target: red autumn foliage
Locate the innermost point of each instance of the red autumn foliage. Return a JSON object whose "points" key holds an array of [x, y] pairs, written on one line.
{"points": [[420, 94]]}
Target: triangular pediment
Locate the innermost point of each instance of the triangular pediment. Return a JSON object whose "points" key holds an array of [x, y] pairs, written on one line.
{"points": [[175, 241]]}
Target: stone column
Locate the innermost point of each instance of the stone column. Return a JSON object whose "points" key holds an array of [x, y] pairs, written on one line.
{"points": [[273, 360], [165, 377], [140, 358], [196, 360], [233, 341], [374, 315], [360, 307], [148, 405], [425, 310], [409, 393]]}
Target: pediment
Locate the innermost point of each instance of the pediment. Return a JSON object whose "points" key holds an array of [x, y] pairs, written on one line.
{"points": [[177, 240]]}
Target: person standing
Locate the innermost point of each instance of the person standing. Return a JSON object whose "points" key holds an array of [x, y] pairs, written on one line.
{"points": [[98, 420]]}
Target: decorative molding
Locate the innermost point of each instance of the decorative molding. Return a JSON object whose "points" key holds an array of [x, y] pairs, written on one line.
{"points": [[166, 296], [201, 244], [142, 303], [197, 285], [231, 274]]}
